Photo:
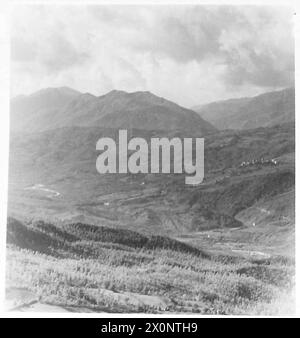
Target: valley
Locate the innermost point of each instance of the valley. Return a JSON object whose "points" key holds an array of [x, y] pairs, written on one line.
{"points": [[83, 241]]}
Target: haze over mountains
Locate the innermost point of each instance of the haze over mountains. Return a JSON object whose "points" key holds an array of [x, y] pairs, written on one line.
{"points": [[64, 107], [264, 110]]}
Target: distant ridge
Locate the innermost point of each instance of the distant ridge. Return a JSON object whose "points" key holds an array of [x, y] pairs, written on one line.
{"points": [[264, 110]]}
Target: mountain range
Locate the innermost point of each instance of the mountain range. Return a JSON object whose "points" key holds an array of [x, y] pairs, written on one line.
{"points": [[264, 110], [53, 108]]}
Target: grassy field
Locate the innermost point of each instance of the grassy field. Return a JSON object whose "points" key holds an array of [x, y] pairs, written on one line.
{"points": [[78, 266]]}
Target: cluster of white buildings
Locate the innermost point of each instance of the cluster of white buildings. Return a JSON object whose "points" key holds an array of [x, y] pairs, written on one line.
{"points": [[260, 161]]}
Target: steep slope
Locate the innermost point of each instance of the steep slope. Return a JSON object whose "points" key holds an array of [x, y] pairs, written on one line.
{"points": [[55, 108], [260, 111]]}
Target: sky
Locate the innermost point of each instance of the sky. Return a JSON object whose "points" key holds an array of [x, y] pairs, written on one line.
{"points": [[190, 54]]}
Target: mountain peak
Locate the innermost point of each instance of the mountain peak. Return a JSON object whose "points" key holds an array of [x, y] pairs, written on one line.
{"points": [[115, 92], [56, 90], [135, 94]]}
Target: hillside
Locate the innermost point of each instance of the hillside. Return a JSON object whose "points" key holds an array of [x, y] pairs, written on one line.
{"points": [[263, 110], [64, 185], [84, 268], [63, 107]]}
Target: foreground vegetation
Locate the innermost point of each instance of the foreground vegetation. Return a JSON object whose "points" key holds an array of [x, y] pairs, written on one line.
{"points": [[103, 269]]}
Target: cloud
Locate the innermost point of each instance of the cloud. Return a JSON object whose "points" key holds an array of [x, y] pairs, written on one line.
{"points": [[51, 51], [58, 54], [262, 52], [21, 50], [189, 54]]}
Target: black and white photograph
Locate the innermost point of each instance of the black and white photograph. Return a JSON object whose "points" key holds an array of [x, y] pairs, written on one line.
{"points": [[151, 160]]}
